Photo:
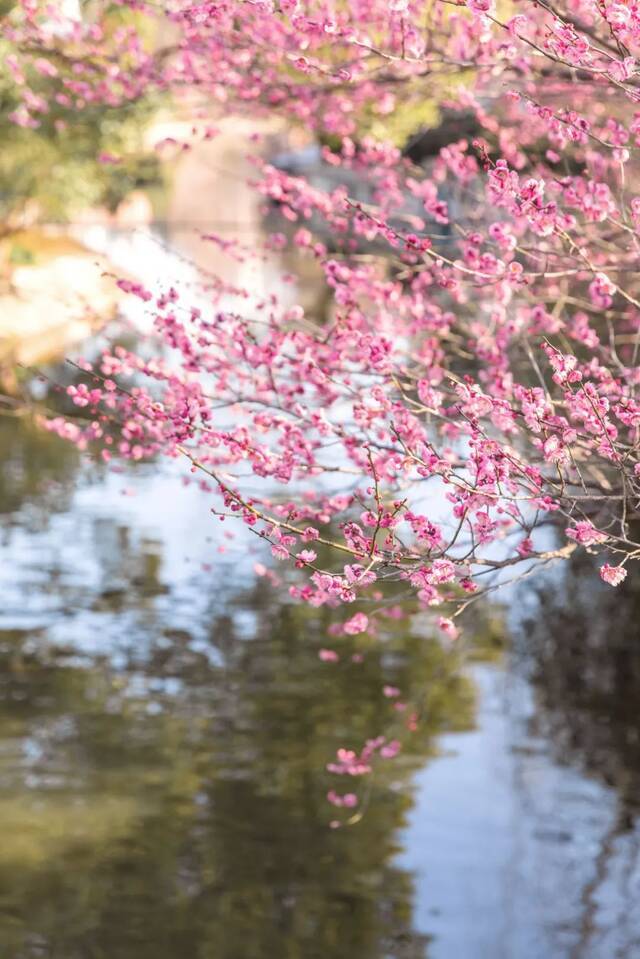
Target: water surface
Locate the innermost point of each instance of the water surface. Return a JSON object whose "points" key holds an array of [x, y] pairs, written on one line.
{"points": [[165, 722]]}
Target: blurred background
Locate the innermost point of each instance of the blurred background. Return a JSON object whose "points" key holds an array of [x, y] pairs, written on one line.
{"points": [[165, 716]]}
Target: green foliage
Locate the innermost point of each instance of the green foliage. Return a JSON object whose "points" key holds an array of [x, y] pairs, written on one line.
{"points": [[56, 169], [53, 170], [406, 118]]}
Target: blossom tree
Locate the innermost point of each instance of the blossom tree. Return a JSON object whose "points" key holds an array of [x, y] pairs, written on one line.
{"points": [[477, 380]]}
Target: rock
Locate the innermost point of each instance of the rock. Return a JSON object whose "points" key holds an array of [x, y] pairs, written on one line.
{"points": [[54, 294]]}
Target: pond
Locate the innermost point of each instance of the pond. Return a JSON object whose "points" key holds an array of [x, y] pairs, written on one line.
{"points": [[165, 722], [166, 719]]}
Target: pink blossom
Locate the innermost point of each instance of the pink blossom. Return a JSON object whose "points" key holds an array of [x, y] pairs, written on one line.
{"points": [[480, 6], [348, 800], [447, 626], [310, 534], [525, 548], [621, 70], [357, 624], [349, 763], [328, 656], [586, 534], [279, 551], [306, 556], [613, 575], [45, 67]]}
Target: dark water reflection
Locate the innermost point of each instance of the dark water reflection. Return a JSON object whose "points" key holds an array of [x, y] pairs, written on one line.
{"points": [[583, 643], [165, 721]]}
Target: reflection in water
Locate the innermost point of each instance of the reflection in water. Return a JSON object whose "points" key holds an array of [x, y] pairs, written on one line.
{"points": [[165, 721], [584, 637], [580, 644], [162, 771], [36, 467]]}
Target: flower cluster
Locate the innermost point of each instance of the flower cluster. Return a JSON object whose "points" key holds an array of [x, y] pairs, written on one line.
{"points": [[475, 380]]}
